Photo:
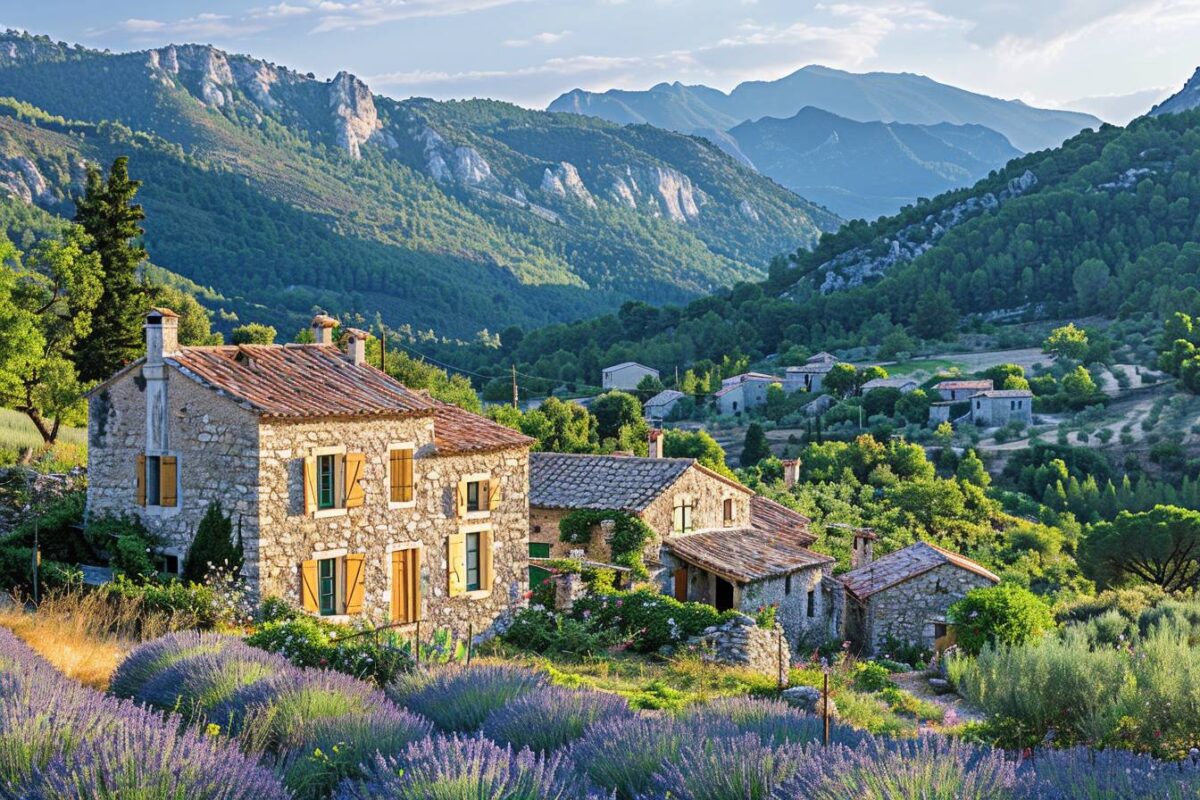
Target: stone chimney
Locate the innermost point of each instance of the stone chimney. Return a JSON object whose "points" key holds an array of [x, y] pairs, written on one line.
{"points": [[162, 335], [791, 471], [356, 346], [864, 547], [322, 328], [656, 443]]}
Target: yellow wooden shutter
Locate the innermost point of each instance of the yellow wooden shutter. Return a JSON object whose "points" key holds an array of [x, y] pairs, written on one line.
{"points": [[394, 477], [168, 469], [310, 484], [401, 475], [141, 480], [460, 495], [406, 585], [308, 586], [493, 501], [485, 560], [355, 582], [456, 564], [353, 474]]}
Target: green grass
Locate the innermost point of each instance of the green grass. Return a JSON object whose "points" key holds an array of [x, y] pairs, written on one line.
{"points": [[929, 365], [17, 433]]}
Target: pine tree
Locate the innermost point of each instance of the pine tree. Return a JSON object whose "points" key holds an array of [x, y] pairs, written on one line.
{"points": [[109, 215], [756, 446], [212, 545]]}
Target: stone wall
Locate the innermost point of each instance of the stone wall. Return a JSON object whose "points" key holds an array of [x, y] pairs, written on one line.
{"points": [[908, 611], [741, 643], [802, 631], [214, 439], [374, 529]]}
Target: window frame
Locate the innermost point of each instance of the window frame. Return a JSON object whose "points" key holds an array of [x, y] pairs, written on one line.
{"points": [[787, 584], [478, 500], [472, 538], [811, 608], [682, 512], [154, 479], [338, 454], [411, 449], [327, 481], [421, 588], [336, 565], [728, 511]]}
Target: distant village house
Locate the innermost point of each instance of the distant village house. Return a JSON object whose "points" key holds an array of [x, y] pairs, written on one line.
{"points": [[996, 408], [627, 376], [953, 391]]}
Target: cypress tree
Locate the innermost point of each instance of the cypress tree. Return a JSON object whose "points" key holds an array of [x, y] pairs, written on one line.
{"points": [[213, 544], [109, 215], [756, 446]]}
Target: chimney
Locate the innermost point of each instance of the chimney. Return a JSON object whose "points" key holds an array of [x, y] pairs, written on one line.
{"points": [[162, 335], [322, 328], [656, 443], [356, 346], [864, 547], [791, 471]]}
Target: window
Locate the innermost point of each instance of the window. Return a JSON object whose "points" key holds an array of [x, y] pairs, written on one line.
{"points": [[478, 495], [939, 630], [682, 515], [473, 583], [473, 492], [326, 481], [787, 584], [812, 603], [978, 404], [406, 585], [157, 478], [167, 564], [400, 475], [327, 586], [728, 510]]}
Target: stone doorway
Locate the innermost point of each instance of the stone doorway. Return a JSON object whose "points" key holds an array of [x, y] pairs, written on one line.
{"points": [[724, 595]]}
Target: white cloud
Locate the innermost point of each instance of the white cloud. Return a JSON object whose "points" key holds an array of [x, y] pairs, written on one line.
{"points": [[362, 13], [199, 26], [538, 38], [282, 10]]}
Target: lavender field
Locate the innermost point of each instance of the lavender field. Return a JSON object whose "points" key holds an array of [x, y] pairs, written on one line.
{"points": [[195, 715]]}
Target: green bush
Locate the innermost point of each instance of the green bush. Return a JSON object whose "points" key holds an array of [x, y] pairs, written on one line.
{"points": [[212, 546], [651, 620], [129, 545], [1003, 614], [544, 631], [871, 677], [307, 642]]}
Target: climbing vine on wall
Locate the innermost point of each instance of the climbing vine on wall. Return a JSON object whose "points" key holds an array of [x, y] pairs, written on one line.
{"points": [[630, 535]]}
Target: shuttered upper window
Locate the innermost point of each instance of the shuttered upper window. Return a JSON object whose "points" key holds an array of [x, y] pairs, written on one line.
{"points": [[469, 561], [333, 585], [157, 481], [333, 481], [400, 475]]}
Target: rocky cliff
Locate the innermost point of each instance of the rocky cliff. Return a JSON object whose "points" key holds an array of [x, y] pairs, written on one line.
{"points": [[1185, 99]]}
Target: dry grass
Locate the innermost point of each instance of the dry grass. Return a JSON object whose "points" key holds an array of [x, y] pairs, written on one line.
{"points": [[84, 634]]}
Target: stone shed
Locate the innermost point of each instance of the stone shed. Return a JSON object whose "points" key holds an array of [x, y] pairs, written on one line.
{"points": [[905, 595]]}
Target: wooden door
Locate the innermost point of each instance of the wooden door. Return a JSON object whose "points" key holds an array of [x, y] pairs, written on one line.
{"points": [[681, 584]]}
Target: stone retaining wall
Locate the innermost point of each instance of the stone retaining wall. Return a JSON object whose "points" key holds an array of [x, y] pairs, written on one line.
{"points": [[740, 642]]}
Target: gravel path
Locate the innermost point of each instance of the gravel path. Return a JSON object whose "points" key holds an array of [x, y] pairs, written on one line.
{"points": [[915, 683]]}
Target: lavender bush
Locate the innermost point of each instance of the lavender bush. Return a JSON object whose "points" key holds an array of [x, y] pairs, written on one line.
{"points": [[335, 748], [929, 767], [147, 660], [194, 685], [552, 717], [728, 768], [624, 755], [773, 721], [468, 769], [1084, 774], [458, 699], [62, 741]]}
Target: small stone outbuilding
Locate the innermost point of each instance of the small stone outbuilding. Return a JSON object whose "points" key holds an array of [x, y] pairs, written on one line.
{"points": [[1000, 407], [955, 390], [626, 376], [904, 596]]}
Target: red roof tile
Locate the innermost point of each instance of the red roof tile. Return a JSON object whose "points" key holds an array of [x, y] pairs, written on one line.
{"points": [[905, 564], [459, 431]]}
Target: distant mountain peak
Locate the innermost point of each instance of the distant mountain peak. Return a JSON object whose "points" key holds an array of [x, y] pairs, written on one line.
{"points": [[1185, 99]]}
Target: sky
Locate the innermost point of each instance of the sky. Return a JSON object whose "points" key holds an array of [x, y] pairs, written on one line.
{"points": [[1111, 57]]}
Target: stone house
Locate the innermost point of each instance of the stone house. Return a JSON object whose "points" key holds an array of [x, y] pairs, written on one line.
{"points": [[952, 391], [626, 376], [905, 596], [743, 392], [809, 376], [355, 496], [662, 404], [995, 408], [905, 385]]}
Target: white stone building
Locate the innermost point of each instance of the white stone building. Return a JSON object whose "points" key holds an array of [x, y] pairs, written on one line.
{"points": [[662, 404], [743, 392], [355, 496], [626, 376], [999, 407], [810, 376], [956, 390]]}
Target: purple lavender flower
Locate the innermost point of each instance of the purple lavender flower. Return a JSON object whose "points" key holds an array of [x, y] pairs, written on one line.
{"points": [[727, 768], [552, 717], [773, 721], [149, 659], [458, 699], [624, 754], [1104, 775], [468, 768], [196, 684]]}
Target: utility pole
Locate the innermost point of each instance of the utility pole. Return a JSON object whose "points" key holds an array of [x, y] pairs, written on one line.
{"points": [[516, 403], [382, 347]]}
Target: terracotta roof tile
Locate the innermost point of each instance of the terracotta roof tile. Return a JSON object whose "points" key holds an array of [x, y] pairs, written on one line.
{"points": [[459, 431], [903, 565], [767, 516], [299, 381]]}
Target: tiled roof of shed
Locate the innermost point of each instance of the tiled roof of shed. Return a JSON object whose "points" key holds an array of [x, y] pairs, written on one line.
{"points": [[623, 483], [949, 385], [664, 397], [299, 381], [903, 565], [459, 431], [776, 543], [1001, 394]]}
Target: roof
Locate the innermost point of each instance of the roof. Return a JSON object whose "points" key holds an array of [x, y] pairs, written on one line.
{"points": [[887, 383], [776, 543], [1003, 393], [622, 483], [818, 366], [163, 312], [903, 565], [664, 397], [459, 431], [625, 364], [298, 381], [751, 376], [821, 356], [952, 385]]}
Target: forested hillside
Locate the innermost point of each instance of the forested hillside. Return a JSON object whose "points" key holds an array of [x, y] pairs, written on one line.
{"points": [[1106, 224], [281, 191]]}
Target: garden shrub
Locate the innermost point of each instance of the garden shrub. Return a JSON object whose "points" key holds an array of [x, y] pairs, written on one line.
{"points": [[551, 717], [1080, 772], [624, 755], [652, 620], [871, 677], [543, 631], [193, 685], [1003, 614], [732, 768], [309, 642], [458, 698], [147, 660], [213, 546], [772, 721], [457, 769]]}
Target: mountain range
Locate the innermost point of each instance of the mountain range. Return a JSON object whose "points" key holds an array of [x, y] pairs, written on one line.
{"points": [[280, 192], [858, 136]]}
